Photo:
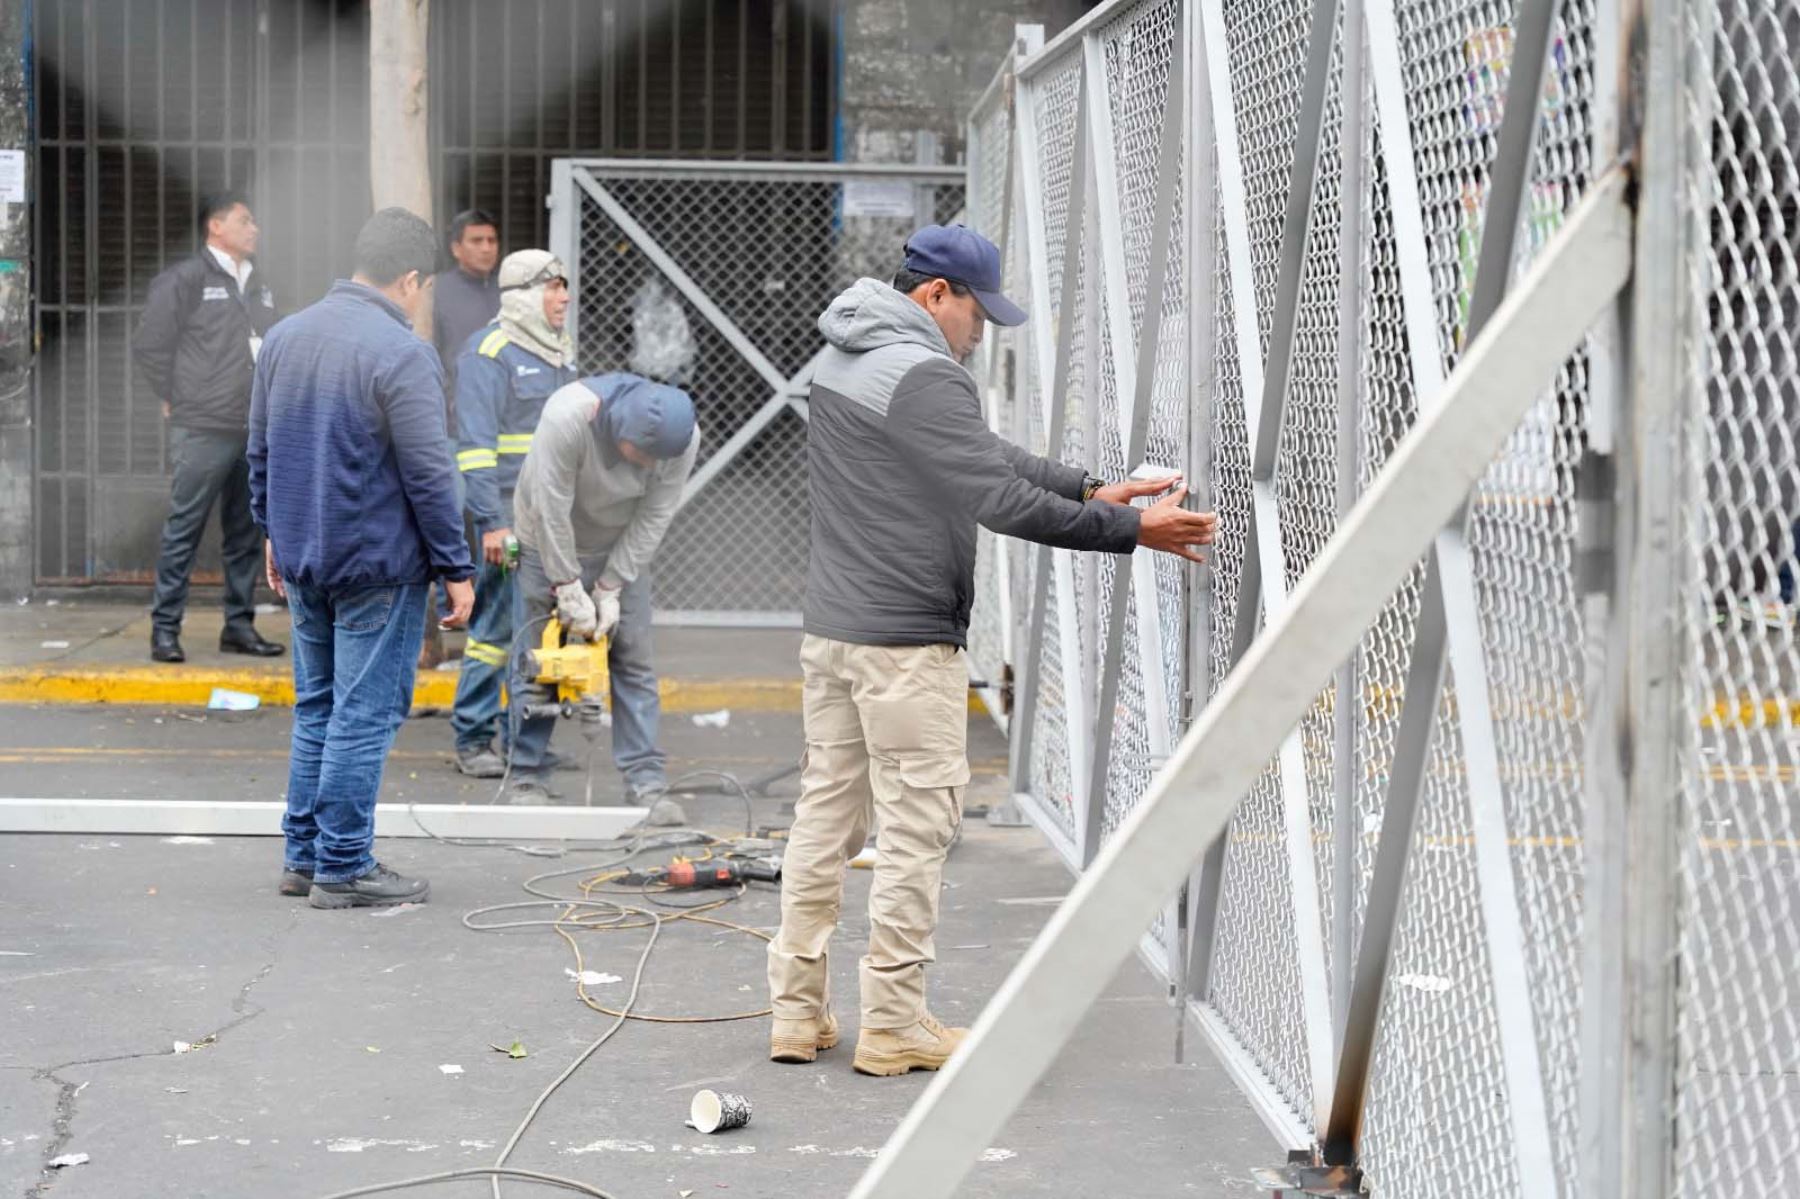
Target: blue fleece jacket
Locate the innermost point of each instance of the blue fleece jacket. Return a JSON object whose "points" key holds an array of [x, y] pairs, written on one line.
{"points": [[350, 470]]}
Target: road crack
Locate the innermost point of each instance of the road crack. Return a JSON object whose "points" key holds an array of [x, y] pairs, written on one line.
{"points": [[63, 1116]]}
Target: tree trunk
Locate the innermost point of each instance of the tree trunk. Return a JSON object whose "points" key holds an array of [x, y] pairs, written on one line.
{"points": [[399, 126]]}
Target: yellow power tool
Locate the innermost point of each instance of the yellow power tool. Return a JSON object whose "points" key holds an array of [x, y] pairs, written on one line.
{"points": [[567, 679]]}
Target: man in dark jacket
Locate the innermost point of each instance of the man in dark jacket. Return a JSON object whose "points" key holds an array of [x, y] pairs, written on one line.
{"points": [[902, 468], [196, 345], [467, 296], [351, 476]]}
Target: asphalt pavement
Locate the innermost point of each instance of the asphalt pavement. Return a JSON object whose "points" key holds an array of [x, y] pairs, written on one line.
{"points": [[329, 1050]]}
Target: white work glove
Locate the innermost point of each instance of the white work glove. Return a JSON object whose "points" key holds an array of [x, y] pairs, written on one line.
{"points": [[606, 601], [575, 610]]}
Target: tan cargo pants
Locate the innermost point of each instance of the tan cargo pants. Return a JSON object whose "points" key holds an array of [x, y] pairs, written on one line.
{"points": [[886, 735]]}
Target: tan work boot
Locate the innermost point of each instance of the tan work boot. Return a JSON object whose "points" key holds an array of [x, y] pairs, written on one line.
{"points": [[926, 1045], [799, 1041]]}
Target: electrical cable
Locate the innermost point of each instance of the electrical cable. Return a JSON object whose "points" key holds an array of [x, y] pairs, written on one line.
{"points": [[637, 981], [513, 719], [586, 913], [493, 1172]]}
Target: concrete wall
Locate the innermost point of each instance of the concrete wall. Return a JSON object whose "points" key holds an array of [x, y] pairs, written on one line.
{"points": [[15, 317], [913, 66]]}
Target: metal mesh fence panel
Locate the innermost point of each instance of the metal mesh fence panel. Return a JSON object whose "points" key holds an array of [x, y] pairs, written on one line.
{"points": [[737, 550], [1738, 1003], [1445, 1054], [991, 155], [1521, 535]]}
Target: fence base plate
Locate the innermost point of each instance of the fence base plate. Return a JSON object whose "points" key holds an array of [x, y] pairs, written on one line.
{"points": [[1303, 1180]]}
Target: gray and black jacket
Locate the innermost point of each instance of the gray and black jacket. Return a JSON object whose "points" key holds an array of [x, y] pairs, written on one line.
{"points": [[902, 467]]}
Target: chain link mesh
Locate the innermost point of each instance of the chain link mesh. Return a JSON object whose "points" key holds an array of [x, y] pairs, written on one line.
{"points": [[1738, 1004], [1521, 535], [737, 551], [1439, 1103], [990, 161]]}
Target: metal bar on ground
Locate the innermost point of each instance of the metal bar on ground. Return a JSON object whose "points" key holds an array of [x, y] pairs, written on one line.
{"points": [[1044, 999], [260, 818]]}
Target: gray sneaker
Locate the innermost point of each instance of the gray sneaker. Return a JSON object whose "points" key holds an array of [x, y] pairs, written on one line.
{"points": [[665, 813], [379, 888], [480, 762], [641, 793], [530, 791], [296, 883]]}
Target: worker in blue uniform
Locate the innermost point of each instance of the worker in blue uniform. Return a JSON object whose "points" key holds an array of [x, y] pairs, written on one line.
{"points": [[505, 372]]}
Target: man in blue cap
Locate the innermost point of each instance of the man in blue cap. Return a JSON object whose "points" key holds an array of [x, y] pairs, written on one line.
{"points": [[902, 468], [598, 489]]}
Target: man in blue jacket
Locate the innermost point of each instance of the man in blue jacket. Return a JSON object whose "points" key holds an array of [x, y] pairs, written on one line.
{"points": [[503, 376], [351, 478]]}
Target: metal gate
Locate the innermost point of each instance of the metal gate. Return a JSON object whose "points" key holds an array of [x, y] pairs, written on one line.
{"points": [[1506, 903], [713, 276]]}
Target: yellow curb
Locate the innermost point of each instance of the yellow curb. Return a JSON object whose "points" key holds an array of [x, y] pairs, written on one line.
{"points": [[192, 686]]}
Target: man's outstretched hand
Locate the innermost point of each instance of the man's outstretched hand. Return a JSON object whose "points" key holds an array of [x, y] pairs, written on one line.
{"points": [[1136, 489], [1167, 526]]}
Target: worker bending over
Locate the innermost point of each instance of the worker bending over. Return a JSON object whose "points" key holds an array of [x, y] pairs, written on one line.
{"points": [[596, 494], [902, 467], [505, 373]]}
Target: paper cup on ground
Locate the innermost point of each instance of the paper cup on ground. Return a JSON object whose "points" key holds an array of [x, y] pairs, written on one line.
{"points": [[717, 1111]]}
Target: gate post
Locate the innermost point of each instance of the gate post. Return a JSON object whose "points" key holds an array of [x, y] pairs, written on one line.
{"points": [[1663, 387]]}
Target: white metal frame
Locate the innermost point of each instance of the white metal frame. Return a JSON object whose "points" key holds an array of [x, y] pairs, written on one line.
{"points": [[262, 818]]}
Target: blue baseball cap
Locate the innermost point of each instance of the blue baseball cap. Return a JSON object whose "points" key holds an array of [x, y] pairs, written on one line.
{"points": [[961, 255]]}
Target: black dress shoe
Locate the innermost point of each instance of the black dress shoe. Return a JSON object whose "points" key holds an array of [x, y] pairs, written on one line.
{"points": [[165, 646], [248, 641]]}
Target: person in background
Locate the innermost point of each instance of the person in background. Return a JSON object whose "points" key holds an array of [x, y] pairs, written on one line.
{"points": [[902, 467], [196, 345], [463, 299], [351, 477], [602, 482], [504, 374], [467, 296]]}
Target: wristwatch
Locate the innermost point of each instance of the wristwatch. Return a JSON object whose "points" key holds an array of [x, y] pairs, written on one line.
{"points": [[1090, 485]]}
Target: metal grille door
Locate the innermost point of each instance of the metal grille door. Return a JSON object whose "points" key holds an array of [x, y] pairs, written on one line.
{"points": [[712, 277]]}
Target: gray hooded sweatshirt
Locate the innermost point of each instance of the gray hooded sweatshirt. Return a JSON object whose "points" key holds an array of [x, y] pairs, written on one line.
{"points": [[903, 466]]}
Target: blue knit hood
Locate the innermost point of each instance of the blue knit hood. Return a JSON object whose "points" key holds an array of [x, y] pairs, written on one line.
{"points": [[655, 417]]}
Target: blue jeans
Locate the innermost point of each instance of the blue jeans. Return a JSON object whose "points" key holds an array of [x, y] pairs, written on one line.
{"points": [[476, 714], [356, 651], [636, 707]]}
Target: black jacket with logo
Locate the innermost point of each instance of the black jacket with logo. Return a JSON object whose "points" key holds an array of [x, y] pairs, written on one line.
{"points": [[193, 342]]}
